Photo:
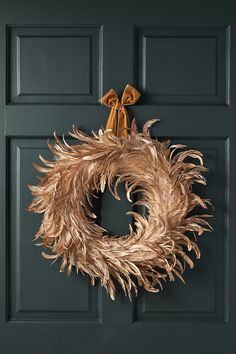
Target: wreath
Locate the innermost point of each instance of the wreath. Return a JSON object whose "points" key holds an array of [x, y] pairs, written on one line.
{"points": [[157, 247]]}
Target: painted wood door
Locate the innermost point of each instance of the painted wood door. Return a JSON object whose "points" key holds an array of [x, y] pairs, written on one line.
{"points": [[57, 59]]}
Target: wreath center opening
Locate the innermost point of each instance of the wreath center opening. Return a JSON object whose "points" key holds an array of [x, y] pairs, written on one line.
{"points": [[112, 213]]}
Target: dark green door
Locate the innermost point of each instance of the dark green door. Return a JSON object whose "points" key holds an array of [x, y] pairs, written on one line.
{"points": [[57, 59]]}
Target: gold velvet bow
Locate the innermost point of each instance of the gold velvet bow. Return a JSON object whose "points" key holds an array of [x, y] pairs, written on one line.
{"points": [[118, 120]]}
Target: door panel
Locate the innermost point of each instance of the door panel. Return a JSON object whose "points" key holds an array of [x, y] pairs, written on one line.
{"points": [[44, 62], [178, 48], [31, 299], [59, 58], [203, 296]]}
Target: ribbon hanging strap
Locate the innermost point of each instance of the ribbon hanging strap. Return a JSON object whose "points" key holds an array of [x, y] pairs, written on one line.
{"points": [[118, 120]]}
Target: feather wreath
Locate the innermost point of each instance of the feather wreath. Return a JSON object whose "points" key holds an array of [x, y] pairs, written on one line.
{"points": [[157, 248]]}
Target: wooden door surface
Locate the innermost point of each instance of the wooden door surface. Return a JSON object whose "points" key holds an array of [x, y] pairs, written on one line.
{"points": [[57, 59]]}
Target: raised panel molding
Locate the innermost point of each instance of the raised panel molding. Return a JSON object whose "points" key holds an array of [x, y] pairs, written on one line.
{"points": [[182, 65], [54, 64], [37, 291], [204, 297]]}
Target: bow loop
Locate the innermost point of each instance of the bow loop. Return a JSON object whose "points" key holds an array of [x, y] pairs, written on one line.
{"points": [[130, 95], [110, 98], [118, 120]]}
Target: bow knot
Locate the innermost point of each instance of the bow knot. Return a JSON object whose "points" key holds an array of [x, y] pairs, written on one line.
{"points": [[118, 120], [118, 106]]}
